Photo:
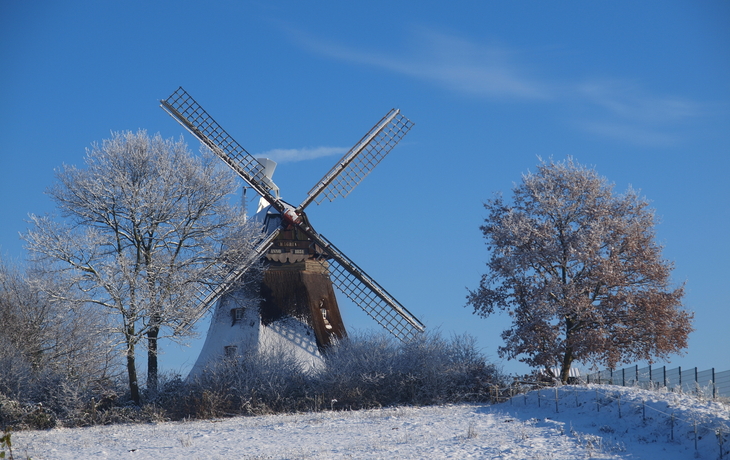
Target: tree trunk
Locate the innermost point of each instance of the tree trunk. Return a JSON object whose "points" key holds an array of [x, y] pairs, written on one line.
{"points": [[152, 379], [565, 367], [568, 356], [132, 373]]}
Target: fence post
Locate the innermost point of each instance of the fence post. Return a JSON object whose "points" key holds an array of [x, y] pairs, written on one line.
{"points": [[664, 369], [714, 387], [650, 377], [719, 440], [636, 381], [697, 382], [623, 377], [680, 378]]}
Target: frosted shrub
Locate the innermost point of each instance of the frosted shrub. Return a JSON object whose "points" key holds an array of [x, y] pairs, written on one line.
{"points": [[268, 382], [375, 370], [15, 371], [362, 371], [359, 371], [253, 384], [49, 396]]}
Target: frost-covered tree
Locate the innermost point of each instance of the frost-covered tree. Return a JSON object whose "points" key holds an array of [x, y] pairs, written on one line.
{"points": [[579, 272], [141, 233], [42, 338]]}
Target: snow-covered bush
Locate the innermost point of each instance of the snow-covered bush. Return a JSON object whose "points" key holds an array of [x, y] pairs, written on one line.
{"points": [[365, 370], [253, 384], [370, 370], [362, 371], [17, 415], [54, 357]]}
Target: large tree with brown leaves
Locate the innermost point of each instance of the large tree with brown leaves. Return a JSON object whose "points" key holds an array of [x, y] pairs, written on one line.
{"points": [[580, 273]]}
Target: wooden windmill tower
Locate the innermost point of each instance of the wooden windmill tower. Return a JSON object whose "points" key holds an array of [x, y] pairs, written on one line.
{"points": [[295, 305]]}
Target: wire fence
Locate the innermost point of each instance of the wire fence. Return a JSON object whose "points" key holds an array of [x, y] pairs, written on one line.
{"points": [[707, 383], [709, 434]]}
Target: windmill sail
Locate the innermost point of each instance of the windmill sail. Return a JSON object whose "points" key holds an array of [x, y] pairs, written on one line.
{"points": [[210, 292], [361, 159], [366, 293], [183, 108]]}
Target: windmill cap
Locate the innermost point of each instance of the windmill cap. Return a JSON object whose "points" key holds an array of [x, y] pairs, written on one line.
{"points": [[269, 166]]}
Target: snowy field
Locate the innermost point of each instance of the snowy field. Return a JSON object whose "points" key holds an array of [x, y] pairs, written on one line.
{"points": [[598, 422]]}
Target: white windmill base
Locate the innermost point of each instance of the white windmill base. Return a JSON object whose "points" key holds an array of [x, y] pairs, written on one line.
{"points": [[236, 330]]}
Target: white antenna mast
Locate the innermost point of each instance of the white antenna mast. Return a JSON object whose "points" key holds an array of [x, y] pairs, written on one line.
{"points": [[244, 203]]}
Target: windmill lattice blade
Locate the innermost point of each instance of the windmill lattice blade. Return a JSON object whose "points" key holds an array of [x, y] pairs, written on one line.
{"points": [[208, 294], [349, 279], [361, 159], [181, 106]]}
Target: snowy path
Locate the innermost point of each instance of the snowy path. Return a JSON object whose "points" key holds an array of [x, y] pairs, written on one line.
{"points": [[520, 430]]}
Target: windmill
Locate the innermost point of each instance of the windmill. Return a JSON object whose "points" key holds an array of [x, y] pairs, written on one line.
{"points": [[298, 304]]}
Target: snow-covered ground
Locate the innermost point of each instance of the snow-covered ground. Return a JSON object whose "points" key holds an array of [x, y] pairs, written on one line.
{"points": [[599, 422]]}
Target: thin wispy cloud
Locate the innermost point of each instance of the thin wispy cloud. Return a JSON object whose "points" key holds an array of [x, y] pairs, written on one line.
{"points": [[629, 133], [628, 101], [303, 154], [607, 107], [447, 61], [623, 111]]}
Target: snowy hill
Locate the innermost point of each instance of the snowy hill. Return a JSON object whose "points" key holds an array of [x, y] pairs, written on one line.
{"points": [[572, 422]]}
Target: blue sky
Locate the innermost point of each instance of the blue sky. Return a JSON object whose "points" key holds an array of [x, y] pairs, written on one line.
{"points": [[639, 90]]}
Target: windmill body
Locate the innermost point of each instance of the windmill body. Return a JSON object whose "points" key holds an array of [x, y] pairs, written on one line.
{"points": [[290, 308], [294, 305], [236, 329]]}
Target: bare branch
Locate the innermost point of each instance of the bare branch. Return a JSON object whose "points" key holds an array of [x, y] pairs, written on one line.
{"points": [[145, 226]]}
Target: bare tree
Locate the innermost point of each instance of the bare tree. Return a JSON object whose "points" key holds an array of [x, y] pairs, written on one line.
{"points": [[579, 272], [143, 231], [45, 337]]}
